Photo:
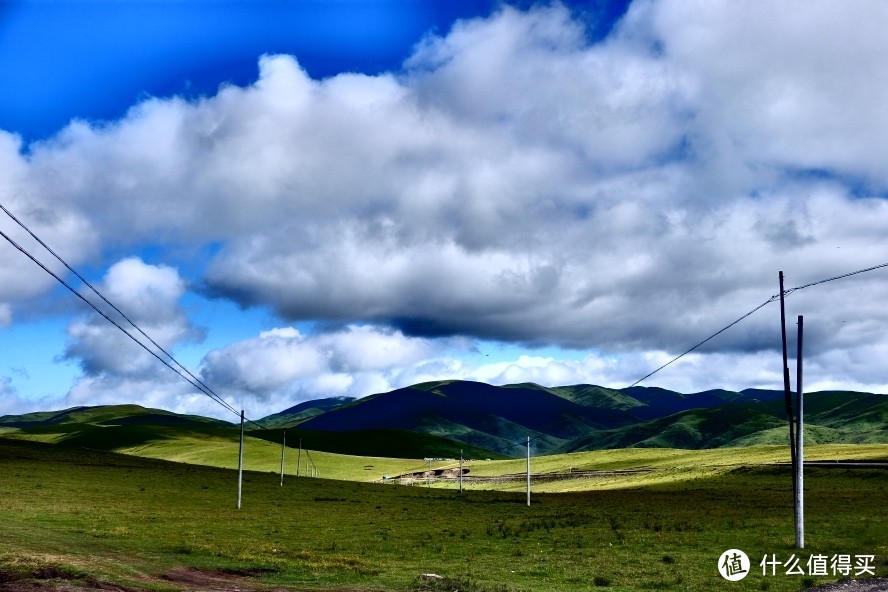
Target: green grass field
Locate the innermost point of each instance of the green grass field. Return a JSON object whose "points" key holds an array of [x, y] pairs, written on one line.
{"points": [[129, 520], [218, 448]]}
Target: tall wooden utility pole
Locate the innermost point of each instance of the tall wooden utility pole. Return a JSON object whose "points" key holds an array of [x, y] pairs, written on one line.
{"points": [[787, 388], [787, 391], [240, 462]]}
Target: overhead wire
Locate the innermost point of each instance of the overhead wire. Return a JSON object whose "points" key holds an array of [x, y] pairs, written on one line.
{"points": [[756, 309], [524, 441], [713, 336], [106, 317], [184, 373], [207, 390], [831, 279], [314, 466]]}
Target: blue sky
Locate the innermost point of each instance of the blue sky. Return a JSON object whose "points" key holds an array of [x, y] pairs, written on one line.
{"points": [[93, 59], [309, 199]]}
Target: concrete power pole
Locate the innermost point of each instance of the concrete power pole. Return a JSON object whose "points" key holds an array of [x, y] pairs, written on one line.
{"points": [[800, 446], [528, 471], [283, 449], [460, 469], [299, 458], [240, 462]]}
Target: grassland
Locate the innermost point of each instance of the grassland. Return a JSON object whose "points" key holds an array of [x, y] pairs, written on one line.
{"points": [[218, 448], [129, 520], [666, 465]]}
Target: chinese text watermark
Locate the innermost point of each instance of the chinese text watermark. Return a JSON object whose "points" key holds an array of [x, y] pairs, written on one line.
{"points": [[819, 565], [734, 565]]}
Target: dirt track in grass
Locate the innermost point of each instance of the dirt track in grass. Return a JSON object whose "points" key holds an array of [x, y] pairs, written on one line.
{"points": [[183, 579]]}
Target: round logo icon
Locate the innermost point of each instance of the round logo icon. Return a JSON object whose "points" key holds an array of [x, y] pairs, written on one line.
{"points": [[733, 565]]}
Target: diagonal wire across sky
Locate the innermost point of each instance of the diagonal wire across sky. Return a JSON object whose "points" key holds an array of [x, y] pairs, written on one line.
{"points": [[202, 387], [753, 311], [167, 359]]}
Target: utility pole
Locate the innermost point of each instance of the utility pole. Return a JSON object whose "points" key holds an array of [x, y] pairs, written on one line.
{"points": [[299, 457], [800, 454], [787, 392], [310, 465], [283, 448], [240, 462], [528, 471], [787, 388], [460, 469], [429, 480]]}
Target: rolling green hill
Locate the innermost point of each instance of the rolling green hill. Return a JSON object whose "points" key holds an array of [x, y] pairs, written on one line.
{"points": [[381, 443], [132, 428], [438, 419], [598, 396], [693, 429], [303, 411], [479, 414], [589, 417], [108, 415]]}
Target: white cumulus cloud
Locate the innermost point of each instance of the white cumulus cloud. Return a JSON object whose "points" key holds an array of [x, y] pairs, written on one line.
{"points": [[356, 361], [513, 182], [148, 295]]}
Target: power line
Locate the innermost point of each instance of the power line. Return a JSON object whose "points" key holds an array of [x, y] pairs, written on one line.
{"points": [[719, 332], [109, 303], [206, 390], [203, 387], [313, 465], [756, 309], [113, 322], [193, 380], [190, 378], [525, 441], [838, 277]]}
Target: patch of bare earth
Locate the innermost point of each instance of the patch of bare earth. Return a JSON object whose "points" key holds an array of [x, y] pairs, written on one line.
{"points": [[184, 579], [192, 578], [50, 579], [849, 585]]}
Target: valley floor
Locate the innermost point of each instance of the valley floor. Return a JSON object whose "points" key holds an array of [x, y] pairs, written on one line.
{"points": [[88, 519]]}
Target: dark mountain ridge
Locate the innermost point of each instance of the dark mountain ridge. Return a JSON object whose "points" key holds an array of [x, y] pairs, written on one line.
{"points": [[445, 416]]}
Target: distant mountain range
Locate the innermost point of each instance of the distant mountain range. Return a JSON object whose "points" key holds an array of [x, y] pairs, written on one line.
{"points": [[441, 418]]}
